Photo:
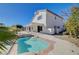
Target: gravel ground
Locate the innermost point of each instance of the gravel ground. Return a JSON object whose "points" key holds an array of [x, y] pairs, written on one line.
{"points": [[70, 39]]}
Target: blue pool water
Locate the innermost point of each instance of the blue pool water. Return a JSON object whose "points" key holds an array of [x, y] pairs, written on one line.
{"points": [[31, 44]]}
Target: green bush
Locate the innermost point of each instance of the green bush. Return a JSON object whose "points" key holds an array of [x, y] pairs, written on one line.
{"points": [[72, 25]]}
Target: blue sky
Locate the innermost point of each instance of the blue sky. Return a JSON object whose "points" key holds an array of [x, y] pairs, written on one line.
{"points": [[20, 13]]}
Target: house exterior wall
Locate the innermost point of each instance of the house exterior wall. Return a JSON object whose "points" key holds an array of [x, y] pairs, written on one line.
{"points": [[40, 13], [54, 20]]}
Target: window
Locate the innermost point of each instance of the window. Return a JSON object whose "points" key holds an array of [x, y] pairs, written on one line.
{"points": [[39, 17]]}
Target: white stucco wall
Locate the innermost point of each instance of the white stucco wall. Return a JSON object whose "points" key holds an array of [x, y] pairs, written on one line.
{"points": [[43, 20], [51, 21]]}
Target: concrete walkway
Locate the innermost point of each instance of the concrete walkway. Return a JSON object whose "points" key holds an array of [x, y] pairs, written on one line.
{"points": [[61, 47]]}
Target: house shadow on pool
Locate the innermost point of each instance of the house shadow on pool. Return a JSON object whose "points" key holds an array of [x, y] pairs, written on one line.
{"points": [[23, 46]]}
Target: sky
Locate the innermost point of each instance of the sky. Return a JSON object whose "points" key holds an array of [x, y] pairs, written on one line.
{"points": [[22, 13]]}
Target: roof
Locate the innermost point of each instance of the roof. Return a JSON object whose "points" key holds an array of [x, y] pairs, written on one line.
{"points": [[54, 13]]}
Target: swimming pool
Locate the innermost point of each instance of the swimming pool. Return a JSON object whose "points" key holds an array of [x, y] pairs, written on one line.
{"points": [[31, 44]]}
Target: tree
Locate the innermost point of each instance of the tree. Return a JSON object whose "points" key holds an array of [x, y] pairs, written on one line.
{"points": [[19, 26], [72, 25], [5, 37]]}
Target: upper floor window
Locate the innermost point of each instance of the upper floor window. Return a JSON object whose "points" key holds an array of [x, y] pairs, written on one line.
{"points": [[39, 17]]}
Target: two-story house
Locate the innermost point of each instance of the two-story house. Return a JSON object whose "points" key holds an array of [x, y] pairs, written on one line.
{"points": [[45, 21]]}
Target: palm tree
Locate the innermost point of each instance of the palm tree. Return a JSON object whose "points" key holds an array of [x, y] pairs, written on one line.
{"points": [[5, 37]]}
